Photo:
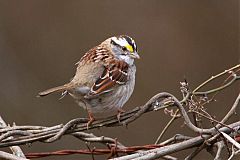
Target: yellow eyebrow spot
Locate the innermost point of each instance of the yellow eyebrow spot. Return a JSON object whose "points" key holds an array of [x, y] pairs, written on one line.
{"points": [[129, 47]]}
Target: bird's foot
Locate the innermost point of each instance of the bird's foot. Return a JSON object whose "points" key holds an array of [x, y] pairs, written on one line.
{"points": [[120, 111], [91, 119]]}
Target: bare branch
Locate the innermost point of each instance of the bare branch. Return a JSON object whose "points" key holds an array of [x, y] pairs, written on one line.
{"points": [[236, 144], [214, 77], [17, 151], [220, 146], [159, 152], [8, 156], [193, 101], [232, 110]]}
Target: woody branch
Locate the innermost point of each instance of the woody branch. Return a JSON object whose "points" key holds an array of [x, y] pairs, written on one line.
{"points": [[193, 102]]}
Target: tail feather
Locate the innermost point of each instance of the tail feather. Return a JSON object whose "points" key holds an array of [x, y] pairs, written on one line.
{"points": [[54, 89]]}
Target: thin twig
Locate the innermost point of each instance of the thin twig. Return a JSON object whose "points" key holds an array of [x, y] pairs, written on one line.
{"points": [[214, 77], [210, 118], [219, 88], [220, 146], [174, 139], [232, 110], [175, 116]]}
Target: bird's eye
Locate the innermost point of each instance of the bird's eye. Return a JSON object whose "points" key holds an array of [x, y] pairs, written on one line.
{"points": [[124, 48]]}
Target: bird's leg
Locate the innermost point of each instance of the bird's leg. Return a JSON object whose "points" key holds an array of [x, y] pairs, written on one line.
{"points": [[120, 111], [91, 119]]}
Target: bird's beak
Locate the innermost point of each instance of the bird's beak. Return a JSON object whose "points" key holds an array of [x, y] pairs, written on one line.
{"points": [[135, 55]]}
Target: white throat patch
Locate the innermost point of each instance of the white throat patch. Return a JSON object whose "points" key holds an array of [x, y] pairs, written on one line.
{"points": [[126, 59]]}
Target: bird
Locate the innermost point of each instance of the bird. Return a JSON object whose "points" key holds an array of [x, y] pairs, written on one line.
{"points": [[104, 78]]}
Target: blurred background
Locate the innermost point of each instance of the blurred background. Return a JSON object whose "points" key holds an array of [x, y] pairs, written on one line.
{"points": [[40, 41]]}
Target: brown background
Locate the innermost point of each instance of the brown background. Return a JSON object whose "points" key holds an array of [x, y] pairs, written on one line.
{"points": [[40, 41]]}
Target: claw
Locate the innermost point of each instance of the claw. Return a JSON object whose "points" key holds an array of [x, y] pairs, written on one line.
{"points": [[120, 111], [91, 119]]}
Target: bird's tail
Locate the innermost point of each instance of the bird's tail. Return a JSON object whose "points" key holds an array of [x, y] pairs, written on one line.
{"points": [[54, 89]]}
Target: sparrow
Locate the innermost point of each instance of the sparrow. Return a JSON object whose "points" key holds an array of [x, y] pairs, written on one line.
{"points": [[104, 78]]}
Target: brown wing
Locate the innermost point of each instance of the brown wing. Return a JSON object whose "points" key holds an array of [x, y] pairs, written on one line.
{"points": [[116, 73]]}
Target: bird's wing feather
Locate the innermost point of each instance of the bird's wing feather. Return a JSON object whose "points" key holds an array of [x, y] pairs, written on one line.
{"points": [[115, 73]]}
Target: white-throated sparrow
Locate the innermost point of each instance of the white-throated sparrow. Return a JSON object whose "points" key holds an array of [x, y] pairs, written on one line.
{"points": [[105, 77]]}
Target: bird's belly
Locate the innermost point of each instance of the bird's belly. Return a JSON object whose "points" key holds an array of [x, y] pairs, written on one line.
{"points": [[109, 103], [106, 103]]}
